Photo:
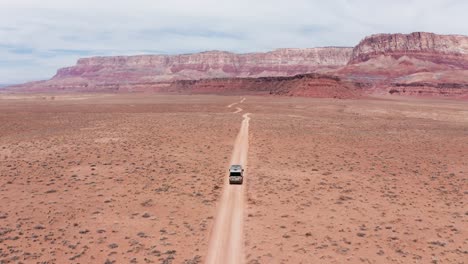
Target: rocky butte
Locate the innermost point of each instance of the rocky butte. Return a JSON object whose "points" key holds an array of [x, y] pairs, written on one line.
{"points": [[413, 64]]}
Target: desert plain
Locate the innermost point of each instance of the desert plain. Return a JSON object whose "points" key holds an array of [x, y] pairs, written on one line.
{"points": [[138, 178]]}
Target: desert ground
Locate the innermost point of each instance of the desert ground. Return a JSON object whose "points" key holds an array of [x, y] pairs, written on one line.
{"points": [[141, 178]]}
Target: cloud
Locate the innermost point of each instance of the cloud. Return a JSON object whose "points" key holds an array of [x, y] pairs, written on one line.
{"points": [[37, 37]]}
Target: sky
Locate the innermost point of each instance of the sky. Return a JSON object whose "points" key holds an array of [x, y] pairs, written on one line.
{"points": [[39, 36]]}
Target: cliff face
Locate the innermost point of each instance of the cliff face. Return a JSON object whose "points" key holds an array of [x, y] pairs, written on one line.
{"points": [[212, 64], [440, 49], [419, 63], [406, 64]]}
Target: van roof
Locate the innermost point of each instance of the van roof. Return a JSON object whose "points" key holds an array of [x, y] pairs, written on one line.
{"points": [[236, 168]]}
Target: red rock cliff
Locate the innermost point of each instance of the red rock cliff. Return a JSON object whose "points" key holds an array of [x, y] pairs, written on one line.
{"points": [[439, 49], [416, 64], [211, 64]]}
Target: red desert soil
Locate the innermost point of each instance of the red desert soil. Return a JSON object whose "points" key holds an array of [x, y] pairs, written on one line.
{"points": [[357, 181], [139, 178], [130, 179]]}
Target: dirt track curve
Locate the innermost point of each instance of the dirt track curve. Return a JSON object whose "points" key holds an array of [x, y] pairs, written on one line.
{"points": [[226, 241]]}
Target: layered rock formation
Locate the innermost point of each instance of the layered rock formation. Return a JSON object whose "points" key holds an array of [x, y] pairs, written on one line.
{"points": [[308, 85], [211, 64], [452, 83], [390, 55], [414, 64], [439, 49]]}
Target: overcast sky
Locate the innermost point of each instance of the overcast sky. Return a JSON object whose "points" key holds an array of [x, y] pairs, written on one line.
{"points": [[39, 36]]}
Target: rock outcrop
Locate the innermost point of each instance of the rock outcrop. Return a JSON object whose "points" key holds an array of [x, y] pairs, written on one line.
{"points": [[450, 50], [386, 56], [444, 83], [423, 64], [307, 85], [406, 64], [210, 64]]}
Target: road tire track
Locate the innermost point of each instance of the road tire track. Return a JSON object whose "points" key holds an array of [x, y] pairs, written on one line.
{"points": [[227, 237], [231, 105], [238, 109]]}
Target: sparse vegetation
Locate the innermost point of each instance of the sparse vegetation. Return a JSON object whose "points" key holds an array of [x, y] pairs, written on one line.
{"points": [[78, 178]]}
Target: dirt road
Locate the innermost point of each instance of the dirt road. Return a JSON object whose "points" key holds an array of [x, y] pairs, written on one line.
{"points": [[235, 103], [227, 237]]}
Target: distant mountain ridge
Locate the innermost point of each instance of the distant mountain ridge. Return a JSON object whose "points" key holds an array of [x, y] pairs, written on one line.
{"points": [[419, 63], [203, 65]]}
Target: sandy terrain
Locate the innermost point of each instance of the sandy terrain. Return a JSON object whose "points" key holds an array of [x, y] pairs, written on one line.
{"points": [[373, 181], [127, 179], [142, 179]]}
